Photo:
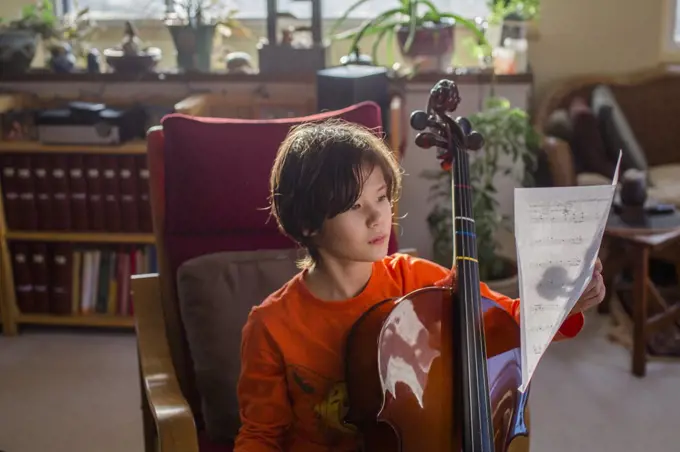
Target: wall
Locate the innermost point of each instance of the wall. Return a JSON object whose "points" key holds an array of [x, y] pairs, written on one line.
{"points": [[595, 36]]}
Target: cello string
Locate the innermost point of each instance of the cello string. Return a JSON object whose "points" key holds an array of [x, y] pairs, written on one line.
{"points": [[470, 289], [482, 410], [468, 366]]}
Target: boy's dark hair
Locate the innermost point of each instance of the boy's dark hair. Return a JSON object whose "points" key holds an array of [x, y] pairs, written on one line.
{"points": [[318, 174]]}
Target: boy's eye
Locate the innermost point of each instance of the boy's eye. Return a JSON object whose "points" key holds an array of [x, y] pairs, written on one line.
{"points": [[382, 198], [356, 206]]}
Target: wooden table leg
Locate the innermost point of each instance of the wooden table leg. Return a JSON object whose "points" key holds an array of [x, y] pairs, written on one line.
{"points": [[640, 311], [613, 262]]}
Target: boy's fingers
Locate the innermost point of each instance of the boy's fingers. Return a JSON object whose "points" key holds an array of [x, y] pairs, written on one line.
{"points": [[598, 266]]}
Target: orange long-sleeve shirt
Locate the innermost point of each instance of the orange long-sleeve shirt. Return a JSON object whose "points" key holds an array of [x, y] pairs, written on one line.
{"points": [[291, 392]]}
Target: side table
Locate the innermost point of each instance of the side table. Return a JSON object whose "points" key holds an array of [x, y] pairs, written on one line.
{"points": [[630, 240]]}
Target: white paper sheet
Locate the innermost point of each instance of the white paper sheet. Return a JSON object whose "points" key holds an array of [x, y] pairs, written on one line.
{"points": [[558, 232]]}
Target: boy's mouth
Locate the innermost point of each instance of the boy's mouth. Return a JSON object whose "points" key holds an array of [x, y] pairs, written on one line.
{"points": [[378, 240]]}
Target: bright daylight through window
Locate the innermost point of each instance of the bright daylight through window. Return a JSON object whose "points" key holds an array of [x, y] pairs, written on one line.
{"points": [[137, 9], [676, 27]]}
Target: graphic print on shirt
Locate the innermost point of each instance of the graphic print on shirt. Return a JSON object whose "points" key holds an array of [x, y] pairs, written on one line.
{"points": [[325, 398]]}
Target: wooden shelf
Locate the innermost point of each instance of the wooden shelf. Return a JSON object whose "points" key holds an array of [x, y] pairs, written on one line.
{"points": [[131, 148], [94, 320], [81, 237], [35, 75]]}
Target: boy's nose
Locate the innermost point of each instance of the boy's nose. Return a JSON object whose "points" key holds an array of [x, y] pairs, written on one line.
{"points": [[374, 217]]}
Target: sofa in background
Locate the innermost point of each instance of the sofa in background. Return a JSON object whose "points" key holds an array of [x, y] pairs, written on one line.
{"points": [[585, 120]]}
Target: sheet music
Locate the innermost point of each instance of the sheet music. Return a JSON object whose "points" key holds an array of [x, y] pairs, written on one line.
{"points": [[558, 232]]}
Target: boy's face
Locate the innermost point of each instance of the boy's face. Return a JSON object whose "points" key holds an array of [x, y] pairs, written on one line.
{"points": [[362, 233]]}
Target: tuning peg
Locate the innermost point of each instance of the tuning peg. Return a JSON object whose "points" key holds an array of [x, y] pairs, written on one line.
{"points": [[419, 120], [427, 140], [475, 141], [464, 124]]}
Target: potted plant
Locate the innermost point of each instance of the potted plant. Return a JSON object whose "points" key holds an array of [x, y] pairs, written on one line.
{"points": [[19, 38], [192, 24], [508, 18], [510, 145], [425, 33]]}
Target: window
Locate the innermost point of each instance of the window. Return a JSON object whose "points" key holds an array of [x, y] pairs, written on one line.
{"points": [[670, 30], [153, 9], [676, 25]]}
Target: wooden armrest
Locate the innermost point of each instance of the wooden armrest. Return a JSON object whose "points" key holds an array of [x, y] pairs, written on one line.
{"points": [[560, 161], [172, 415]]}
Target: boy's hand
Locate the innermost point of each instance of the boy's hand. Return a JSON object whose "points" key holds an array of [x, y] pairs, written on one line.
{"points": [[594, 293], [448, 280]]}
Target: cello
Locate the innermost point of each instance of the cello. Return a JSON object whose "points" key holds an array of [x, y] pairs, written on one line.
{"points": [[438, 370]]}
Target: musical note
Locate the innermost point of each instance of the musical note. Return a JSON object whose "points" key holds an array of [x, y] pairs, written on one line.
{"points": [[540, 241], [558, 232]]}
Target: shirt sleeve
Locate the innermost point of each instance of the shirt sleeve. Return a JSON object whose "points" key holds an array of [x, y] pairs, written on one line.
{"points": [[262, 391], [571, 326], [425, 273]]}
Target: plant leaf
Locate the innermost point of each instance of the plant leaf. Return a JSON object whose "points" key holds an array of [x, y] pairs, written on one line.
{"points": [[469, 25], [413, 16], [374, 24], [345, 15], [386, 29]]}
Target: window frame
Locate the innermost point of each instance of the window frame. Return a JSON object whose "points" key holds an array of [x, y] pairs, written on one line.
{"points": [[669, 47], [67, 5]]}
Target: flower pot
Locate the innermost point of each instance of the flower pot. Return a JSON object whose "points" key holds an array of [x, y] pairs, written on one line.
{"points": [[17, 50], [493, 35], [144, 62], [432, 47], [194, 45]]}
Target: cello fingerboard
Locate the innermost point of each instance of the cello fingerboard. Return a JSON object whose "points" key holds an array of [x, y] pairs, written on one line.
{"points": [[467, 327]]}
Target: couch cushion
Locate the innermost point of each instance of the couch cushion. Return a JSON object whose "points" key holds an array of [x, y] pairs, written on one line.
{"points": [[559, 125], [665, 181], [616, 130], [665, 186], [216, 292], [587, 143], [592, 179]]}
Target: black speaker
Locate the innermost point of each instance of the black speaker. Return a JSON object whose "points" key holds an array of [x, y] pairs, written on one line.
{"points": [[341, 86]]}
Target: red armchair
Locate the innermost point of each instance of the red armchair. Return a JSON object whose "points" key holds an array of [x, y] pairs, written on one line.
{"points": [[209, 187]]}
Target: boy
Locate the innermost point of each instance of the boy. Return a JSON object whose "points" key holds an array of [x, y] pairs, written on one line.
{"points": [[332, 189]]}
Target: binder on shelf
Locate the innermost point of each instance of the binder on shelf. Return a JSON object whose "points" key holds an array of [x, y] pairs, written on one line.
{"points": [[78, 226]]}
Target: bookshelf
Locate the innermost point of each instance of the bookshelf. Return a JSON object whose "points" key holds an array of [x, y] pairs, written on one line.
{"points": [[136, 147], [103, 242]]}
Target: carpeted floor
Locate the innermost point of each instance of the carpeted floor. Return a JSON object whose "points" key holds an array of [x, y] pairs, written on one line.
{"points": [[76, 391]]}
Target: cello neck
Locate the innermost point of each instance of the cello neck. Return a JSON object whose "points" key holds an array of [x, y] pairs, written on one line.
{"points": [[453, 138], [472, 407]]}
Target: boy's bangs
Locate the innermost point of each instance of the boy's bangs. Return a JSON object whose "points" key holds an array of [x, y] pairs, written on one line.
{"points": [[347, 178]]}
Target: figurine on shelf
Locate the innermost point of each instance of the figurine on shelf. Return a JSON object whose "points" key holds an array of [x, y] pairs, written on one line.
{"points": [[132, 56], [94, 61], [239, 63], [131, 44], [62, 58]]}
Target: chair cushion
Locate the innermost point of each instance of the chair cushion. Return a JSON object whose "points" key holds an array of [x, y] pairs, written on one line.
{"points": [[209, 158], [216, 292], [616, 130], [216, 180]]}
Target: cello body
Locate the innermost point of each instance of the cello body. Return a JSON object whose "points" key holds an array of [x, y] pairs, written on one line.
{"points": [[438, 370], [398, 392]]}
